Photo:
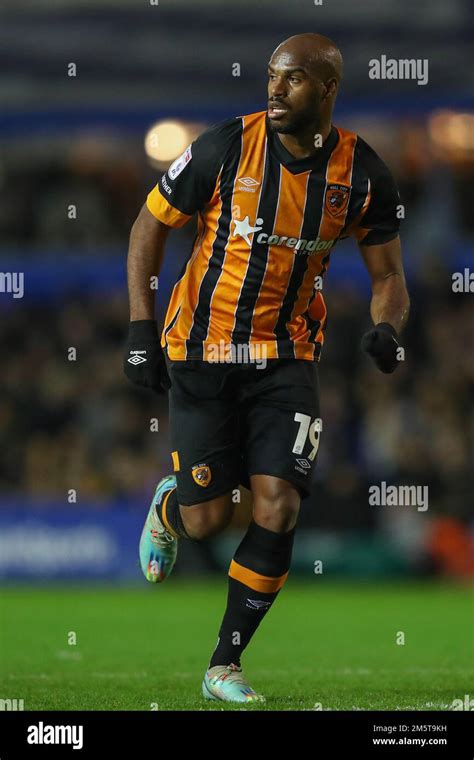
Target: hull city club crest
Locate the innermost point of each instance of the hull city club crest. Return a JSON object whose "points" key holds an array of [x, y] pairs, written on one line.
{"points": [[337, 198], [201, 474]]}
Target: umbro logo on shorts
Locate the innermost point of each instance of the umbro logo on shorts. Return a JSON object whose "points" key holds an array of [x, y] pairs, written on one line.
{"points": [[303, 466], [303, 463]]}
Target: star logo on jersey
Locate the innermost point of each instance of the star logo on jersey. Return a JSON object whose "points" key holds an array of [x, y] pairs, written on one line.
{"points": [[337, 198], [244, 228]]}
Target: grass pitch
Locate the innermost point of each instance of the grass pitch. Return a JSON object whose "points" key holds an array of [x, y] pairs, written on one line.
{"points": [[322, 646]]}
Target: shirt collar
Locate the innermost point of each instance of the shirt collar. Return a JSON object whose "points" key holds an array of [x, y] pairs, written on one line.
{"points": [[297, 165]]}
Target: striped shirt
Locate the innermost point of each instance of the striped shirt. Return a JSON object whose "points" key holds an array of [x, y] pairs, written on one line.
{"points": [[267, 225]]}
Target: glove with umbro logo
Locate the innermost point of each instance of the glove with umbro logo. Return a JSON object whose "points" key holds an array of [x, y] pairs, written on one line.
{"points": [[144, 361]]}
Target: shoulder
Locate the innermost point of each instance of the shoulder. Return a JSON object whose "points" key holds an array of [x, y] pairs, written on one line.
{"points": [[370, 160], [218, 137], [203, 158]]}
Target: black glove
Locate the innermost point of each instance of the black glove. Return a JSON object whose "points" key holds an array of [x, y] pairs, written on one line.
{"points": [[381, 343], [144, 361]]}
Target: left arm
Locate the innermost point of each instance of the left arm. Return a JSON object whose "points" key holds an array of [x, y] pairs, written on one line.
{"points": [[390, 302], [389, 305], [376, 231]]}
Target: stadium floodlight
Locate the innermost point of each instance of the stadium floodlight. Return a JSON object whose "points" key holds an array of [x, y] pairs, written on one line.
{"points": [[166, 140]]}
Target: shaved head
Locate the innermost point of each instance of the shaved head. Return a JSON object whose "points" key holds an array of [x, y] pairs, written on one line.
{"points": [[320, 53], [304, 73]]}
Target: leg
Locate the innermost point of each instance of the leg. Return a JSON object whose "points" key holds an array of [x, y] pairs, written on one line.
{"points": [[280, 442], [204, 428], [260, 565], [196, 502], [276, 503], [202, 520]]}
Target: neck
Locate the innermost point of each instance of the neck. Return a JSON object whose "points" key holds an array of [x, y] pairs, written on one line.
{"points": [[303, 145]]}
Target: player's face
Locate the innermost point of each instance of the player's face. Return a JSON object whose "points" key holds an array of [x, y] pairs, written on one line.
{"points": [[294, 95]]}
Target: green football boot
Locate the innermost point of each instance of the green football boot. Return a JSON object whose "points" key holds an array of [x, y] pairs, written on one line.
{"points": [[226, 683], [158, 547]]}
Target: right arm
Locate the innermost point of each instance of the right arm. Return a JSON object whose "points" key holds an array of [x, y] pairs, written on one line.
{"points": [[145, 257], [186, 187], [144, 361]]}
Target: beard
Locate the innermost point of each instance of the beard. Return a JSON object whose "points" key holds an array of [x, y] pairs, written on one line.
{"points": [[297, 123]]}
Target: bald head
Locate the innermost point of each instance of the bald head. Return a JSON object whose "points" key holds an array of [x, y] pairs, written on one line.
{"points": [[304, 73], [320, 54]]}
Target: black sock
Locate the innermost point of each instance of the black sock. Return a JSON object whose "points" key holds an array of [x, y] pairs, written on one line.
{"points": [[256, 574], [170, 515]]}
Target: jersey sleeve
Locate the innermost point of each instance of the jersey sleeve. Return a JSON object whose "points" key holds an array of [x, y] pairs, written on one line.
{"points": [[190, 181], [379, 222]]}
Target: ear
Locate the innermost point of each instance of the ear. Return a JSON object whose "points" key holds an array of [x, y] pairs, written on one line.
{"points": [[331, 87]]}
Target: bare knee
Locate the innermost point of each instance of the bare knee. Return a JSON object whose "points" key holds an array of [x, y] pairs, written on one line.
{"points": [[276, 503], [208, 518]]}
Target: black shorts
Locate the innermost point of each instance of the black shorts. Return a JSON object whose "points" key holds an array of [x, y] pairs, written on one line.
{"points": [[230, 421]]}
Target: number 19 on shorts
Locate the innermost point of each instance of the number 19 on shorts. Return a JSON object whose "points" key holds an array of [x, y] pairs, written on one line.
{"points": [[307, 429]]}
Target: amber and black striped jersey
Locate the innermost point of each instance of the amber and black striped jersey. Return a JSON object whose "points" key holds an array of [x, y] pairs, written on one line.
{"points": [[267, 224]]}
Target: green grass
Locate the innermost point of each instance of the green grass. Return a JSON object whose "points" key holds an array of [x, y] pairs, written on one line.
{"points": [[327, 643]]}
